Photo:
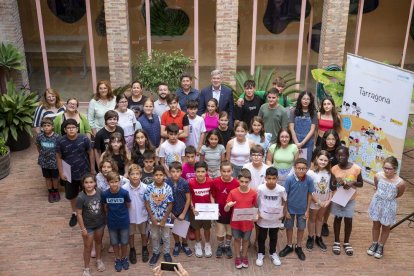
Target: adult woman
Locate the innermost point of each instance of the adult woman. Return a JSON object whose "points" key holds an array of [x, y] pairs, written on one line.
{"points": [[103, 101], [72, 112], [282, 155], [302, 123], [137, 100], [50, 106], [328, 119], [150, 123], [126, 119]]}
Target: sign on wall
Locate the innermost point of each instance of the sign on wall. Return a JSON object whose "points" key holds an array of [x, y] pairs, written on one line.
{"points": [[375, 112]]}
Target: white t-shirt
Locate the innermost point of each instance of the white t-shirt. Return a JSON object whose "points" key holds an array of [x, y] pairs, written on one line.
{"points": [[137, 212], [172, 152], [258, 176], [270, 201], [197, 127], [127, 120], [321, 182]]}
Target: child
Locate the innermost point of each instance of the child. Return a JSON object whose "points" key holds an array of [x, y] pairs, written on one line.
{"points": [[148, 170], [299, 189], [348, 175], [211, 117], [257, 133], [138, 215], [172, 149], [271, 198], [383, 207], [91, 218], [46, 143], [117, 151], [127, 119], [242, 197], [75, 149], [158, 202], [197, 126], [150, 123], [116, 203], [257, 168], [181, 205], [213, 153], [322, 180], [251, 104], [200, 193], [175, 116], [106, 166], [219, 191], [224, 129], [141, 145], [188, 167]]}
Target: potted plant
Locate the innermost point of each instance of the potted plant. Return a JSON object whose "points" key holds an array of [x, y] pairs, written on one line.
{"points": [[4, 159], [10, 59], [16, 116], [331, 81]]}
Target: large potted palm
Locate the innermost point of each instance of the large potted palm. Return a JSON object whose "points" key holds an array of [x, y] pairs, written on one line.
{"points": [[10, 59]]}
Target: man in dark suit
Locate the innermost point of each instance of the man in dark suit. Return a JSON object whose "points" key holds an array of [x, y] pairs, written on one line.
{"points": [[221, 93]]}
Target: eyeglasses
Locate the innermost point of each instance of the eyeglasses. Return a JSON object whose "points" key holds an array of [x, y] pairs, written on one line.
{"points": [[257, 155], [388, 169], [301, 169]]}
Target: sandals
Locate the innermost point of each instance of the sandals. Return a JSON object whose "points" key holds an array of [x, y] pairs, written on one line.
{"points": [[336, 248], [348, 249]]}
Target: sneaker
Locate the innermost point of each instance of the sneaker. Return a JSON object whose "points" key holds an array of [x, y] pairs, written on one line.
{"points": [[51, 198], [238, 263], [167, 258], [100, 265], [379, 252], [118, 265], [259, 260], [56, 196], [154, 259], [372, 249], [286, 251], [186, 250], [93, 252], [325, 230], [86, 272], [110, 249], [207, 250], [300, 253], [176, 250], [125, 263], [245, 262], [320, 243], [145, 254], [275, 259], [309, 243], [219, 251], [198, 250], [73, 220], [229, 252], [132, 255]]}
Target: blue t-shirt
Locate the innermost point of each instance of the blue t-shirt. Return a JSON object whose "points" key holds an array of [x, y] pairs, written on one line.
{"points": [[179, 191], [297, 193], [118, 216], [158, 199]]}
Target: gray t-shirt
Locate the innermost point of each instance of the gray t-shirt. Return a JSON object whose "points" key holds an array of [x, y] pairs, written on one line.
{"points": [[274, 119], [212, 156], [92, 209]]}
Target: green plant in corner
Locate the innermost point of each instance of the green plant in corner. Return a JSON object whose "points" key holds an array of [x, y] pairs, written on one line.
{"points": [[10, 59], [333, 83], [3, 148]]}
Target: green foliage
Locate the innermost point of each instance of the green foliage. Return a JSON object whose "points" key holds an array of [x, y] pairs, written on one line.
{"points": [[161, 67], [10, 59], [16, 111], [3, 148], [333, 83]]}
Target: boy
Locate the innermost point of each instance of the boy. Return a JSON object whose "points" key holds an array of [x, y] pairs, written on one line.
{"points": [[197, 127], [172, 149], [188, 167], [257, 168], [242, 197], [299, 189], [251, 105], [158, 202], [148, 170], [220, 189], [186, 92], [181, 205], [270, 199], [46, 146], [116, 202], [75, 149], [176, 116], [200, 193], [138, 215]]}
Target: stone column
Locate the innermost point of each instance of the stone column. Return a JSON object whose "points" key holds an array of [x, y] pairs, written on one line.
{"points": [[333, 33], [119, 49], [226, 38]]}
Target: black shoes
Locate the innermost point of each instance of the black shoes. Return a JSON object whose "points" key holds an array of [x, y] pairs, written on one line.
{"points": [[132, 255], [300, 253], [73, 220], [309, 243], [320, 243], [325, 230], [286, 251]]}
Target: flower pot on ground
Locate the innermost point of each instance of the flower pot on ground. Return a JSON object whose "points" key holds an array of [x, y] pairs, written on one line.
{"points": [[4, 159]]}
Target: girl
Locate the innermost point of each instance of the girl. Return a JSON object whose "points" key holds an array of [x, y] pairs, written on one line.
{"points": [[282, 155], [137, 100], [348, 175], [116, 151], [238, 148], [91, 219], [126, 119], [322, 179], [328, 119], [302, 123], [257, 133], [383, 207], [150, 123], [141, 145], [213, 153], [50, 106], [211, 117], [72, 112], [225, 130]]}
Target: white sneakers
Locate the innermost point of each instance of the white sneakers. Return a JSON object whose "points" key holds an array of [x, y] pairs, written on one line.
{"points": [[100, 265], [274, 257], [198, 250], [207, 250], [259, 260], [86, 272]]}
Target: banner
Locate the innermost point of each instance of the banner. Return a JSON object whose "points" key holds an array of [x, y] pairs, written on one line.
{"points": [[375, 112]]}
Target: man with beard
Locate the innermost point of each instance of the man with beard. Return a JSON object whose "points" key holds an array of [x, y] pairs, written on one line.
{"points": [[160, 105], [186, 93]]}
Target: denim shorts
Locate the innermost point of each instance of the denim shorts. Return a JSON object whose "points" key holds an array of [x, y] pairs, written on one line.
{"points": [[93, 229], [300, 222], [119, 236], [239, 234]]}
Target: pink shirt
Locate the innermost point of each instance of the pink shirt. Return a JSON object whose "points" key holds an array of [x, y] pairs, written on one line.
{"points": [[211, 122], [188, 171]]}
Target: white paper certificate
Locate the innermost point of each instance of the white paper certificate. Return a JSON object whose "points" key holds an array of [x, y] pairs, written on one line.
{"points": [[271, 213], [206, 211], [181, 227], [67, 171], [244, 214], [343, 196]]}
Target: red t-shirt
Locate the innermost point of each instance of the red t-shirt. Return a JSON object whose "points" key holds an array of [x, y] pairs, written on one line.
{"points": [[243, 200], [181, 119], [200, 192], [220, 191]]}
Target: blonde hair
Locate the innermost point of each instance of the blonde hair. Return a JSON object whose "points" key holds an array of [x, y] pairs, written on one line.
{"points": [[58, 103], [134, 167]]}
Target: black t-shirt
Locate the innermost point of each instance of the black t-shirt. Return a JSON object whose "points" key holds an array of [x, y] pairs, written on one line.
{"points": [[137, 107], [147, 178], [102, 138], [248, 110], [226, 135]]}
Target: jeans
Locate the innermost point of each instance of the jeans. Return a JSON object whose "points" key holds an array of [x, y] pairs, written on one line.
{"points": [[157, 233]]}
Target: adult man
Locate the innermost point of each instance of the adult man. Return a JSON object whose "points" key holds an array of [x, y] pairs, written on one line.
{"points": [[222, 94], [161, 105], [186, 93]]}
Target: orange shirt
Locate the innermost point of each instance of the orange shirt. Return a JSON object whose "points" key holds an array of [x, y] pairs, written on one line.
{"points": [[180, 119], [350, 174], [243, 200]]}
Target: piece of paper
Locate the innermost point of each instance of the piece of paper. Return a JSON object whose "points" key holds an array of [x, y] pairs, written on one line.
{"points": [[170, 222], [244, 214], [67, 171], [303, 153], [180, 227], [206, 211], [343, 196], [271, 213]]}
